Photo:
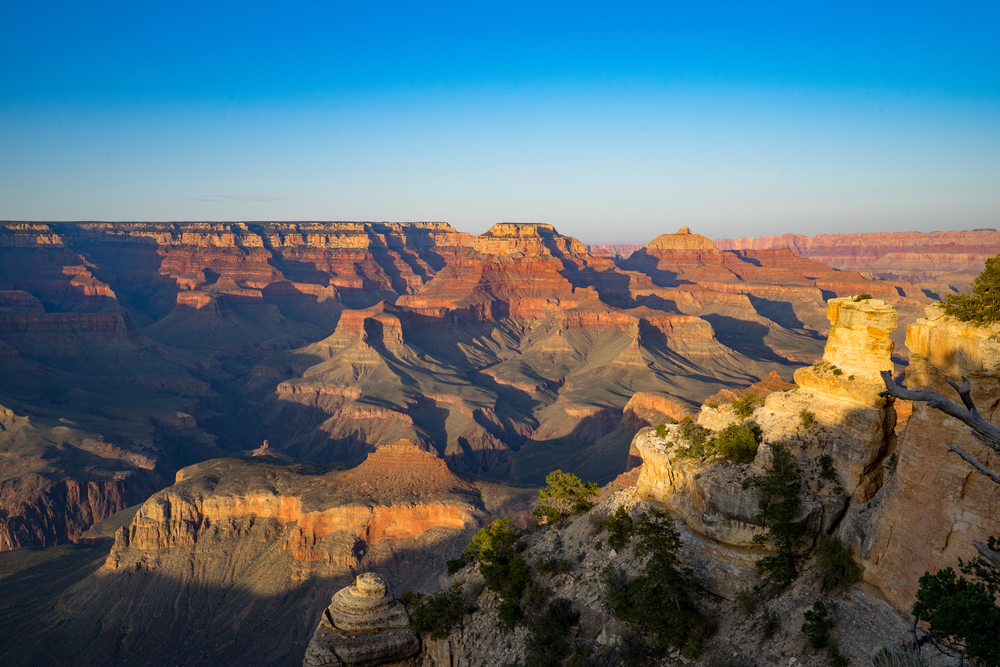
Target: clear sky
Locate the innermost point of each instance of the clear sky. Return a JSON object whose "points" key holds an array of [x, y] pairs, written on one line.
{"points": [[613, 121]]}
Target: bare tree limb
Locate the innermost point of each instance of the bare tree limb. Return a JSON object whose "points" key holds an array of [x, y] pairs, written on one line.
{"points": [[980, 468], [965, 391], [992, 557], [985, 431]]}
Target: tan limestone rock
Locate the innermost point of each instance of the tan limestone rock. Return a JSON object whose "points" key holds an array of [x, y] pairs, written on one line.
{"points": [[934, 505], [364, 626]]}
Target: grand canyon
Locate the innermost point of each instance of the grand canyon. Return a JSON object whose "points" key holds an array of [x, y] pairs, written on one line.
{"points": [[207, 429]]}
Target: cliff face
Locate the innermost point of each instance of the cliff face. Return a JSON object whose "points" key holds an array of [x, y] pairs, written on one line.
{"points": [[934, 505], [852, 425]]}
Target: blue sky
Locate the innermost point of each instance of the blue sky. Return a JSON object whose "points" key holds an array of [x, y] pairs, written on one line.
{"points": [[613, 121]]}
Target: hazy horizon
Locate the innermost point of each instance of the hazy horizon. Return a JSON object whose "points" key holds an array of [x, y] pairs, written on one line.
{"points": [[612, 124]]}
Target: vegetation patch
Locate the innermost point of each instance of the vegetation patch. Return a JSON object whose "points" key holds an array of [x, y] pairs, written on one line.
{"points": [[564, 494], [436, 614], [739, 442], [982, 303], [836, 563], [548, 642], [779, 505], [743, 406], [620, 527]]}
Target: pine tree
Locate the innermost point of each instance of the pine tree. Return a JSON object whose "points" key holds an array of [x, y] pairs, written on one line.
{"points": [[982, 304]]}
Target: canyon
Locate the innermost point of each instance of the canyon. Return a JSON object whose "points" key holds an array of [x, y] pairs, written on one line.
{"points": [[412, 383]]}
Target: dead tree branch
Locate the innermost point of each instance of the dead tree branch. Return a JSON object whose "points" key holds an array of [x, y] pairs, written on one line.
{"points": [[984, 431]]}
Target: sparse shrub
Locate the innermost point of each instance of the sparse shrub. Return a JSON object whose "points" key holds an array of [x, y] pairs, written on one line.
{"points": [[738, 442], [552, 566], [895, 657], [807, 419], [834, 658], [661, 430], [747, 599], [850, 378], [836, 561], [816, 626], [597, 522], [436, 614], [862, 297], [779, 505], [548, 640], [714, 406], [826, 468], [892, 462], [455, 564], [620, 527], [564, 494], [743, 406], [770, 625], [837, 371], [632, 648], [533, 600], [502, 534]]}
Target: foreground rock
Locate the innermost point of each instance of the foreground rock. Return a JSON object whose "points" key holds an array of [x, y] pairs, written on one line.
{"points": [[364, 626]]}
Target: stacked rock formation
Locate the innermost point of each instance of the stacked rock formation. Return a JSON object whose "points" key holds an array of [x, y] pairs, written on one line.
{"points": [[364, 626]]}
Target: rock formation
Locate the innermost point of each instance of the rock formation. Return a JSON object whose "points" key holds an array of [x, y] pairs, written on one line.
{"points": [[933, 505], [505, 354], [364, 626]]}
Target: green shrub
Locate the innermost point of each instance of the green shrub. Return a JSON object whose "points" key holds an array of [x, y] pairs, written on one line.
{"points": [[771, 624], [892, 462], [548, 642], [743, 406], [806, 419], [456, 564], [779, 505], [817, 625], [836, 562], [500, 535], [964, 612], [501, 564], [982, 303], [862, 297], [436, 614], [564, 494], [826, 468], [738, 442], [714, 406], [661, 601], [552, 566], [661, 430], [697, 437], [837, 371], [620, 527]]}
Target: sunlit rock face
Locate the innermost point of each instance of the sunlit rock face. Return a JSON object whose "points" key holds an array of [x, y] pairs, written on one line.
{"points": [[934, 504], [851, 424], [364, 626]]}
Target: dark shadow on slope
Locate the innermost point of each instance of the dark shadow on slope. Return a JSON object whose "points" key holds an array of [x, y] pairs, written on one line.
{"points": [[747, 338]]}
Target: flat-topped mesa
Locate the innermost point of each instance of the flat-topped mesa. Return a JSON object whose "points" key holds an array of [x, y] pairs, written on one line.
{"points": [[364, 626], [529, 238], [682, 240]]}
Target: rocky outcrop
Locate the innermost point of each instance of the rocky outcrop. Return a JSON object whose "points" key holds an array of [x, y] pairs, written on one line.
{"points": [[364, 626], [934, 505]]}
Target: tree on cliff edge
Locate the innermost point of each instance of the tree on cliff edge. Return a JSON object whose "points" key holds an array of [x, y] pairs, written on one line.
{"points": [[982, 303]]}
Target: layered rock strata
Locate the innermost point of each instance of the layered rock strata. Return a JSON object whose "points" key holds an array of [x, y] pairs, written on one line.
{"points": [[364, 626], [851, 424], [934, 505]]}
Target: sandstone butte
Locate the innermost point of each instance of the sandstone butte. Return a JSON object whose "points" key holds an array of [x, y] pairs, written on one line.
{"points": [[129, 350]]}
